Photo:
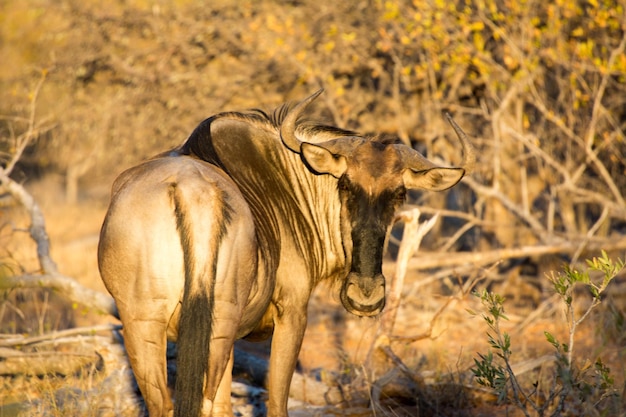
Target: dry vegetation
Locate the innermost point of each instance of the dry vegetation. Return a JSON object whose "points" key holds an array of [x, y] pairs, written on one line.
{"points": [[89, 89]]}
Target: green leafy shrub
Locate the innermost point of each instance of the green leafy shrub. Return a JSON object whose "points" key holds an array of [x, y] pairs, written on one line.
{"points": [[575, 384]]}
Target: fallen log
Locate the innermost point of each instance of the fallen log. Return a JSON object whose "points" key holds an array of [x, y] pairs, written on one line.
{"points": [[303, 388], [64, 353], [432, 260], [47, 363], [13, 340], [71, 289]]}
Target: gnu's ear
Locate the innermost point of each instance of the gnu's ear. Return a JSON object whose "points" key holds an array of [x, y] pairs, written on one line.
{"points": [[323, 161], [435, 179]]}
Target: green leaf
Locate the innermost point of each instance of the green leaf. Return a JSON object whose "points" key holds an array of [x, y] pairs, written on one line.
{"points": [[551, 339]]}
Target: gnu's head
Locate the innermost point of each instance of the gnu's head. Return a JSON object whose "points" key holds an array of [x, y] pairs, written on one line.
{"points": [[373, 178]]}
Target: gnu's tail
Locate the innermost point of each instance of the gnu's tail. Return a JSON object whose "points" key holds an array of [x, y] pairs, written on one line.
{"points": [[194, 327]]}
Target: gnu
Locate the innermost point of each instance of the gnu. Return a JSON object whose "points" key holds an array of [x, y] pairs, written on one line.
{"points": [[226, 236]]}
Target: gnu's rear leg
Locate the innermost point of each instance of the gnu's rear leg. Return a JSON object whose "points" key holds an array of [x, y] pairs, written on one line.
{"points": [[219, 375], [222, 405], [234, 278], [146, 346]]}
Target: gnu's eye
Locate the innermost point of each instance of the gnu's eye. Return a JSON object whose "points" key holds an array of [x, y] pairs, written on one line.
{"points": [[400, 195], [343, 185]]}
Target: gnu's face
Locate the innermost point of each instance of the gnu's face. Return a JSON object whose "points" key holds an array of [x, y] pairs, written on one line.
{"points": [[372, 180], [370, 192]]}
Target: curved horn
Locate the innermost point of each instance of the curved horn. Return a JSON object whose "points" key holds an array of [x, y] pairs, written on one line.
{"points": [[288, 126], [420, 173], [344, 145], [412, 158], [469, 155]]}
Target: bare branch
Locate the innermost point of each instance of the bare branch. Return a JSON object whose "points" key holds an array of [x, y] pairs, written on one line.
{"points": [[484, 191], [24, 140], [20, 340], [46, 363], [430, 260], [530, 141], [414, 232], [597, 102], [69, 287], [37, 227], [591, 155], [50, 278], [592, 231]]}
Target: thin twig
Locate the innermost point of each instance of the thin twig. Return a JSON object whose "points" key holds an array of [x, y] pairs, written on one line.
{"points": [[38, 226], [592, 231], [17, 340], [24, 140], [597, 102], [590, 153], [485, 191]]}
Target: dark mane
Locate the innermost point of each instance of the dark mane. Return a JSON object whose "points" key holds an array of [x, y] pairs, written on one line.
{"points": [[317, 129], [199, 142], [386, 139], [278, 116]]}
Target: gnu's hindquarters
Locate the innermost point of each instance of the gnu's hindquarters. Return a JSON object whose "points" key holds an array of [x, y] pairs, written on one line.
{"points": [[178, 254]]}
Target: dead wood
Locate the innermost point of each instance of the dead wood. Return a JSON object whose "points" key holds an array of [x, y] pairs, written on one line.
{"points": [[12, 340], [303, 388], [433, 260], [399, 382], [64, 353], [47, 363], [112, 393], [50, 277], [414, 232], [71, 289]]}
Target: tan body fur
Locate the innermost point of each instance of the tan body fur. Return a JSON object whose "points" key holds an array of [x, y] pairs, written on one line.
{"points": [[142, 263]]}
